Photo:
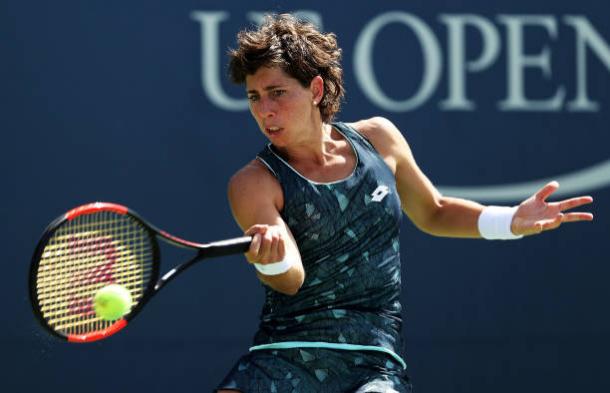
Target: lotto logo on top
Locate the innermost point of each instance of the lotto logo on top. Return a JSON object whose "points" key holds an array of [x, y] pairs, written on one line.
{"points": [[380, 193]]}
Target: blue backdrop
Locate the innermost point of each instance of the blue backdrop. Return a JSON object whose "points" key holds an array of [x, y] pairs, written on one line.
{"points": [[128, 102]]}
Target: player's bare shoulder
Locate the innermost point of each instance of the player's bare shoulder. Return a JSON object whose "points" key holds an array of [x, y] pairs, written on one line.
{"points": [[385, 137], [378, 130], [254, 184]]}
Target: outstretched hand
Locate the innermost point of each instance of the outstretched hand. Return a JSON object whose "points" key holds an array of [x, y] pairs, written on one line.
{"points": [[535, 214]]}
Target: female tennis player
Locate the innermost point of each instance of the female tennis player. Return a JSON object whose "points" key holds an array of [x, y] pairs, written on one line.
{"points": [[323, 201]]}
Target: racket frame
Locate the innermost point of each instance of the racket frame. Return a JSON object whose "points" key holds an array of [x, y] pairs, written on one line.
{"points": [[155, 284]]}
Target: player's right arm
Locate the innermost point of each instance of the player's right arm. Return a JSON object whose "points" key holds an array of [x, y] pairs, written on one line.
{"points": [[256, 199]]}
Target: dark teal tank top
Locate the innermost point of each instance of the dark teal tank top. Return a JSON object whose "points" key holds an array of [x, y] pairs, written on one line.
{"points": [[347, 232]]}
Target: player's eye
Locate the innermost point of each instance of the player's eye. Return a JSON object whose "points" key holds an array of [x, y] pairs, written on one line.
{"points": [[278, 93], [252, 98]]}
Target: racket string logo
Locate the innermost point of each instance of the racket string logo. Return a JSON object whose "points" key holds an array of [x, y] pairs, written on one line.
{"points": [[99, 247]]}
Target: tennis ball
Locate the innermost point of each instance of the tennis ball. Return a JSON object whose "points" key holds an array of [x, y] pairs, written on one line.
{"points": [[112, 302]]}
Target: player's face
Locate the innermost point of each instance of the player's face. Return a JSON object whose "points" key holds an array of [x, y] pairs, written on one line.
{"points": [[281, 106]]}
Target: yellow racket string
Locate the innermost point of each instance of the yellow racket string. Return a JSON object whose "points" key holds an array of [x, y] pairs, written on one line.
{"points": [[84, 255]]}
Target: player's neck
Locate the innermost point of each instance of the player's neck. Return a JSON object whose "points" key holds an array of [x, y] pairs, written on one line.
{"points": [[316, 147]]}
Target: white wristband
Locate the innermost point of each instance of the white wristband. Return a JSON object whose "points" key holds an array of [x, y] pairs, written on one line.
{"points": [[273, 269], [495, 222]]}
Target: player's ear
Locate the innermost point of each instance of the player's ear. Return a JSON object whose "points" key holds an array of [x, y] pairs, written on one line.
{"points": [[317, 89]]}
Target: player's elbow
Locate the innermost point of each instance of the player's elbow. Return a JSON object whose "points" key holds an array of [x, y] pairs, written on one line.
{"points": [[425, 215], [290, 291], [288, 283], [434, 225], [430, 222], [293, 286], [441, 221], [427, 227]]}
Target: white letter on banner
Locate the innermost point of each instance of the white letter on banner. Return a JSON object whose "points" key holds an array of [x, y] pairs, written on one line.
{"points": [[363, 61], [517, 61], [586, 37], [210, 62], [456, 39]]}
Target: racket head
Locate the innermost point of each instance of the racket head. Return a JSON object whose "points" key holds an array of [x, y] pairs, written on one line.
{"points": [[82, 251]]}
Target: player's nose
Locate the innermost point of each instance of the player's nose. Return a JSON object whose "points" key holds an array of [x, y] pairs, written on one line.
{"points": [[265, 108]]}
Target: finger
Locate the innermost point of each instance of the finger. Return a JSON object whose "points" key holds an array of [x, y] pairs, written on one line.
{"points": [[281, 249], [265, 250], [545, 225], [547, 190], [274, 252], [573, 217], [574, 202], [254, 247], [258, 228]]}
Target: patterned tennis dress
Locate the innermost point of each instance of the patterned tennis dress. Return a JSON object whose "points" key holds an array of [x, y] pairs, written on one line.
{"points": [[342, 331]]}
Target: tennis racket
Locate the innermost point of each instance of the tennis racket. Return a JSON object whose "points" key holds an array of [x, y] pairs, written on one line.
{"points": [[99, 244]]}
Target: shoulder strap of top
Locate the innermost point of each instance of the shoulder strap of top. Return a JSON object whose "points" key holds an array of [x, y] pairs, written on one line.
{"points": [[271, 161], [353, 135]]}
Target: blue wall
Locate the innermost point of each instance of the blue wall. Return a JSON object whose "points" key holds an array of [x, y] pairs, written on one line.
{"points": [[105, 101]]}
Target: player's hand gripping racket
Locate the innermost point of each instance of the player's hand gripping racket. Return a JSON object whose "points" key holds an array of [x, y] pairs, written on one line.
{"points": [[96, 245]]}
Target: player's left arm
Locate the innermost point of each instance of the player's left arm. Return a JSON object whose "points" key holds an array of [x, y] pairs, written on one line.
{"points": [[441, 215]]}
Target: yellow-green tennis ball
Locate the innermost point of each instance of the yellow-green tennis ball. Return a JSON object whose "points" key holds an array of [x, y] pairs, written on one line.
{"points": [[112, 302]]}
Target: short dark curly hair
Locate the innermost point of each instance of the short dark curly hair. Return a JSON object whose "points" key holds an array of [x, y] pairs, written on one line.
{"points": [[298, 48]]}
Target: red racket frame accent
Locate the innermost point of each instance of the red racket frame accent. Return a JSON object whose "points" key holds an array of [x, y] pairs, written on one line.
{"points": [[95, 207], [180, 241], [109, 331]]}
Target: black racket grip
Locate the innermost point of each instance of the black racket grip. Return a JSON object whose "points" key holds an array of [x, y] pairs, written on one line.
{"points": [[238, 245]]}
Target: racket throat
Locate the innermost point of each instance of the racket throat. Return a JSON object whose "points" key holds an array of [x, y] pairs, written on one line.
{"points": [[209, 250], [170, 275]]}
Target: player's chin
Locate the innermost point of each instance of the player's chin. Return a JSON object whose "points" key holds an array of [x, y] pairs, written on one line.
{"points": [[277, 139]]}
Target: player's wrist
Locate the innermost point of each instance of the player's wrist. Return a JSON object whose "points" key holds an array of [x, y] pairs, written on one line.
{"points": [[275, 268], [495, 223]]}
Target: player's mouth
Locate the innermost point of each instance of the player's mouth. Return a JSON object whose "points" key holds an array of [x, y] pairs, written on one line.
{"points": [[273, 131]]}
